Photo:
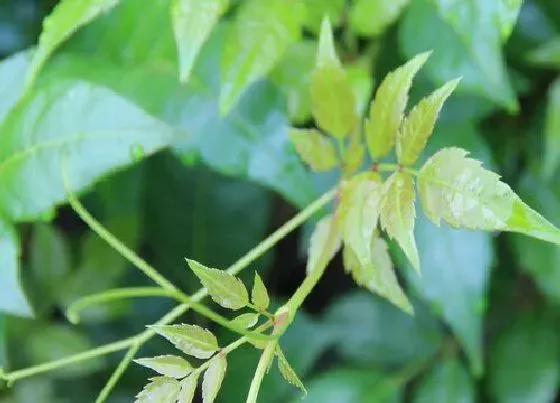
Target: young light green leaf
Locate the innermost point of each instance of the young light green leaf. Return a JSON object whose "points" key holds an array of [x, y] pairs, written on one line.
{"points": [[358, 212], [170, 366], [246, 320], [332, 97], [193, 21], [316, 10], [325, 242], [261, 33], [387, 109], [190, 339], [225, 289], [160, 390], [213, 378], [398, 214], [66, 18], [288, 372], [259, 294], [373, 17], [552, 131], [188, 389], [315, 149], [378, 274], [460, 191], [355, 154], [418, 126]]}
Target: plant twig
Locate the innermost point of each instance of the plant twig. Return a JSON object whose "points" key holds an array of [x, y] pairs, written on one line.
{"points": [[116, 375]]}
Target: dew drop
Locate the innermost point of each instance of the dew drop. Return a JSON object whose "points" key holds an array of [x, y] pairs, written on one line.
{"points": [[137, 152]]}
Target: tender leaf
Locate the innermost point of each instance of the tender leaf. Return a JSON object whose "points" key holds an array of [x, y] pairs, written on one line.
{"points": [[225, 289], [332, 99], [524, 361], [466, 37], [325, 243], [387, 109], [315, 149], [418, 126], [373, 17], [448, 381], [261, 33], [317, 10], [507, 12], [94, 129], [547, 54], [288, 372], [398, 214], [246, 320], [458, 190], [193, 21], [170, 366], [188, 389], [160, 390], [552, 131], [355, 154], [66, 18], [190, 339], [213, 378], [259, 294], [12, 295]]}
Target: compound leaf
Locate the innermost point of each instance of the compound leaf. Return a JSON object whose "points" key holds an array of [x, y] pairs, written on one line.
{"points": [[170, 366], [225, 289], [213, 378], [315, 149], [161, 390], [259, 294], [325, 242], [190, 339]]}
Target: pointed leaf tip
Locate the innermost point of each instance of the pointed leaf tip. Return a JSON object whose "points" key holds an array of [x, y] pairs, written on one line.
{"points": [[326, 52]]}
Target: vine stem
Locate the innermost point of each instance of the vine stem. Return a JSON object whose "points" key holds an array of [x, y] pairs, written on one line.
{"points": [[116, 375], [262, 368]]}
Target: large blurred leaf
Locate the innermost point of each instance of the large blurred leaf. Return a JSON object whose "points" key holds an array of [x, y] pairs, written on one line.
{"points": [[552, 132], [466, 38], [524, 361], [448, 381], [12, 76], [369, 330], [316, 10], [547, 54], [12, 296], [372, 17]]}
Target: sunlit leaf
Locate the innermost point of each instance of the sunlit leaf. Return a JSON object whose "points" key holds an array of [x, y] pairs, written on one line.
{"points": [[170, 366], [552, 131], [373, 17], [213, 378], [160, 390], [188, 389], [288, 372], [225, 289], [316, 10], [66, 18], [507, 12], [332, 98], [190, 339], [193, 21], [246, 320], [259, 294], [315, 149], [460, 191], [355, 153], [418, 126], [325, 242], [387, 109], [261, 33], [398, 214]]}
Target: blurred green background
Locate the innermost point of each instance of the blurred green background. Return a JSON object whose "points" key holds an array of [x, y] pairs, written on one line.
{"points": [[487, 305]]}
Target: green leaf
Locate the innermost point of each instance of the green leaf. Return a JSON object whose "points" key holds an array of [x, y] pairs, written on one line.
{"points": [[373, 17], [458, 190], [398, 214], [325, 243], [259, 294], [12, 78], [454, 281], [546, 55], [418, 126], [448, 381], [507, 13], [161, 390], [354, 154], [190, 339], [261, 33], [288, 372], [317, 10], [225, 289], [12, 295], [193, 22], [332, 98], [170, 366], [466, 37], [246, 320], [3, 349], [315, 149], [524, 361], [551, 158], [213, 378], [387, 109], [188, 389], [66, 18], [92, 128]]}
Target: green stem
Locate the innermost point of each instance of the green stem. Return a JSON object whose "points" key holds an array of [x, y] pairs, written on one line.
{"points": [[73, 312], [262, 368], [123, 365]]}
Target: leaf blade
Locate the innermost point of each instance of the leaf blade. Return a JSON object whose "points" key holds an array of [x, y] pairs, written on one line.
{"points": [[190, 339], [259, 294], [288, 372], [170, 366], [188, 388], [315, 150], [324, 244], [213, 378], [160, 389]]}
